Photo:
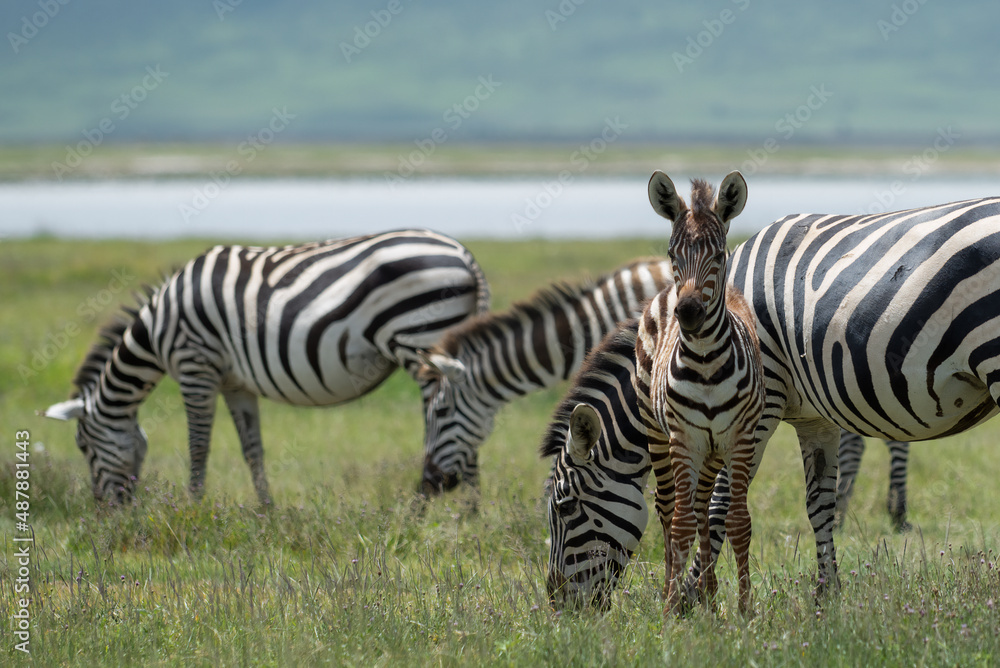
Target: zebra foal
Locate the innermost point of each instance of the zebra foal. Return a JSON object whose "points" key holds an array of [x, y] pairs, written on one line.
{"points": [[700, 385], [314, 324]]}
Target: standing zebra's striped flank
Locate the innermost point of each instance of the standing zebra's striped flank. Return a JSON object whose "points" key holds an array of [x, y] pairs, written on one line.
{"points": [[482, 364], [700, 386], [313, 324]]}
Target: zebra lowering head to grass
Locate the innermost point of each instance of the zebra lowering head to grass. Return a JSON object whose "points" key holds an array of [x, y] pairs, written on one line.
{"points": [[481, 365], [315, 324], [700, 385], [883, 324], [595, 493]]}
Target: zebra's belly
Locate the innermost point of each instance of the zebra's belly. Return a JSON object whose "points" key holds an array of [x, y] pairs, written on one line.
{"points": [[946, 404], [336, 374]]}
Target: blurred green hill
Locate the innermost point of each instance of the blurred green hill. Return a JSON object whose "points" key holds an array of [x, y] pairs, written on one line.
{"points": [[855, 72]]}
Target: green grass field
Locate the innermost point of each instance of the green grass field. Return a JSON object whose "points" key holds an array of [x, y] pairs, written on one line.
{"points": [[345, 570]]}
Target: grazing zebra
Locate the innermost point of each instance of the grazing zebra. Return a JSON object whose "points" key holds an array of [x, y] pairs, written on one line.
{"points": [[700, 385], [881, 324], [852, 447], [596, 509], [479, 366], [315, 324]]}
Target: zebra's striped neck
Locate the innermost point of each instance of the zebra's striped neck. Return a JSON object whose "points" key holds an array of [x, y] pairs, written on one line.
{"points": [[119, 371], [604, 381]]}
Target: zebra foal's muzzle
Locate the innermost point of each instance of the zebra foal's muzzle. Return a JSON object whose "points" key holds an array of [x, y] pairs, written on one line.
{"points": [[690, 313]]}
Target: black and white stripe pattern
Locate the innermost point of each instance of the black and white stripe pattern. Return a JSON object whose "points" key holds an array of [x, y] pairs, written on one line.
{"points": [[596, 508], [480, 366], [700, 386], [886, 325], [315, 324]]}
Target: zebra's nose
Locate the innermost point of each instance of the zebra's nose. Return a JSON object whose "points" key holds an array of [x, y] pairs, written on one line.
{"points": [[555, 584], [690, 314]]}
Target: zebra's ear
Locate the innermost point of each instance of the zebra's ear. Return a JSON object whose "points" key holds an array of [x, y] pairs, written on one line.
{"points": [[731, 199], [584, 430], [451, 368], [664, 198], [66, 410]]}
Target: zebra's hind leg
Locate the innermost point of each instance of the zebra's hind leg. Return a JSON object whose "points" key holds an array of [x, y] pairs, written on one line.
{"points": [[243, 407], [899, 454], [199, 393], [852, 447]]}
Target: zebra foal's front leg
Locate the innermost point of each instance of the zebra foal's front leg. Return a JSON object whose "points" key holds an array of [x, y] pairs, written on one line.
{"points": [[705, 582], [739, 528], [243, 407], [684, 527]]}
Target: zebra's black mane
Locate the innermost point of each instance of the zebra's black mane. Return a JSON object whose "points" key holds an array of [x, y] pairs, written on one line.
{"points": [[618, 342], [89, 371], [483, 326]]}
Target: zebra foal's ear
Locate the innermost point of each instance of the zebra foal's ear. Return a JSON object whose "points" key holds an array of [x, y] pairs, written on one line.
{"points": [[664, 198], [66, 410], [731, 199], [584, 430], [448, 367]]}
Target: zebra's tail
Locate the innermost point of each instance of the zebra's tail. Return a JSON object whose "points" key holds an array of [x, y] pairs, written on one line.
{"points": [[483, 296]]}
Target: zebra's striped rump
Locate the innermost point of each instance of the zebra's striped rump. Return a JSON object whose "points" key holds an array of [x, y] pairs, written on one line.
{"points": [[596, 506], [313, 324], [481, 365]]}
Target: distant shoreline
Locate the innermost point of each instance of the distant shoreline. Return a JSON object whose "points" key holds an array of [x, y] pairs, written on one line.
{"points": [[547, 160]]}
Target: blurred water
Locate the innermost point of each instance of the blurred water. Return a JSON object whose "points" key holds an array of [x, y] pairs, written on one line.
{"points": [[263, 210]]}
